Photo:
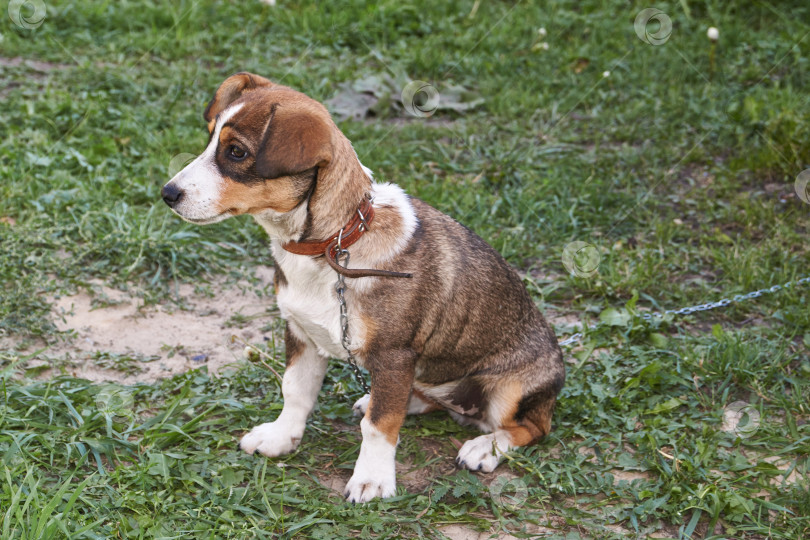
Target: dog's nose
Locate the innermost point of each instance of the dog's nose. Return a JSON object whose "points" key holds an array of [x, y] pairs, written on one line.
{"points": [[171, 194]]}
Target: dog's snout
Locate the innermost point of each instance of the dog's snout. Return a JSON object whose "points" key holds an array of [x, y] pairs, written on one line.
{"points": [[171, 194]]}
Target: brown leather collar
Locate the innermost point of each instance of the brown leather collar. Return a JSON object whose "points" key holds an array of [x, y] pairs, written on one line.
{"points": [[352, 232], [348, 235]]}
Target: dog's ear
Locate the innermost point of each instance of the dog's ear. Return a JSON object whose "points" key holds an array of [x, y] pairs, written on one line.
{"points": [[229, 91], [294, 141]]}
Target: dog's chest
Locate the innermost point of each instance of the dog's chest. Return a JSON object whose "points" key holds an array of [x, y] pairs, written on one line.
{"points": [[309, 301]]}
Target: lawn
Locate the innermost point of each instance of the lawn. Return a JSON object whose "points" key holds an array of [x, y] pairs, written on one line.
{"points": [[674, 160]]}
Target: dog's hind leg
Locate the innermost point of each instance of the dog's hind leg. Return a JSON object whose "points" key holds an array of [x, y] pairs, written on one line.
{"points": [[525, 417], [300, 385]]}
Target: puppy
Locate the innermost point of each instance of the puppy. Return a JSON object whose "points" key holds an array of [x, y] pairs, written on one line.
{"points": [[460, 333]]}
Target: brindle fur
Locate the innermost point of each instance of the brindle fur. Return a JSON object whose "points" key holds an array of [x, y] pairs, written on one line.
{"points": [[463, 334], [468, 321]]}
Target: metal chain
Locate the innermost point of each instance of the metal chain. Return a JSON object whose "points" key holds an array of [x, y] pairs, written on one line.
{"points": [[340, 288], [704, 307]]}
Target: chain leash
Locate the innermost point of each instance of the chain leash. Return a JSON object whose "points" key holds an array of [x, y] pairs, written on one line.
{"points": [[342, 258], [574, 338]]}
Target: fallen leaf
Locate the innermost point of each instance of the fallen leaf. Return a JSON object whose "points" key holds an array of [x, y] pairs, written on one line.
{"points": [[580, 64], [381, 94], [458, 98]]}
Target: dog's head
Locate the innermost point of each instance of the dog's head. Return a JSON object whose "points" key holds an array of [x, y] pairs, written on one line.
{"points": [[267, 144]]}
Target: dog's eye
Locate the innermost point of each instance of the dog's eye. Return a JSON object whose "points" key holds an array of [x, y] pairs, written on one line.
{"points": [[236, 153]]}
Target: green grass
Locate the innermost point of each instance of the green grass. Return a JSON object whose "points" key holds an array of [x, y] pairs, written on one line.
{"points": [[678, 167]]}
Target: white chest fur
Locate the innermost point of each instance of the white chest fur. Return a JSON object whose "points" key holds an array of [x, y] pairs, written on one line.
{"points": [[309, 301]]}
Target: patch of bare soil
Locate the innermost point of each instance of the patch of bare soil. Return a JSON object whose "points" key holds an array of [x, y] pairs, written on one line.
{"points": [[562, 321], [36, 65], [117, 338], [628, 476], [462, 532], [37, 72], [335, 482]]}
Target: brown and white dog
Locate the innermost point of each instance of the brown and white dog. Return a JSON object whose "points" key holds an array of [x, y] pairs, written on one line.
{"points": [[462, 334]]}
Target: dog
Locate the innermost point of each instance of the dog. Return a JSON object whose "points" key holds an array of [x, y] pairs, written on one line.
{"points": [[439, 319]]}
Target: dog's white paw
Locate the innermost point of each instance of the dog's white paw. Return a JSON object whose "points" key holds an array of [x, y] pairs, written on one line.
{"points": [[375, 473], [483, 453], [271, 439], [361, 405], [365, 486]]}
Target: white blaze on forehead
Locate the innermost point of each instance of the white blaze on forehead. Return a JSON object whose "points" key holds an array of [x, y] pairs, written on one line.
{"points": [[222, 119], [201, 180], [208, 158]]}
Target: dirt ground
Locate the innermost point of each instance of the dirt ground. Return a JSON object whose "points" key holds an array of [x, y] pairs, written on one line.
{"points": [[107, 328], [111, 329]]}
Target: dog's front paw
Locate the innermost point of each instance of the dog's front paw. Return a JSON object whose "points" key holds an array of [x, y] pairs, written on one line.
{"points": [[483, 453], [271, 439], [361, 405], [365, 487]]}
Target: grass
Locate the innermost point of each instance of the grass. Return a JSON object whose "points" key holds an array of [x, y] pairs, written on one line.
{"points": [[677, 166]]}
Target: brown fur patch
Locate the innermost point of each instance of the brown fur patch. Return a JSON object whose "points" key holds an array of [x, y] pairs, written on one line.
{"points": [[229, 91], [383, 234], [369, 326], [279, 279], [529, 416], [470, 398], [293, 346], [520, 433], [389, 426], [282, 196], [391, 382], [298, 137], [538, 419], [384, 416]]}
